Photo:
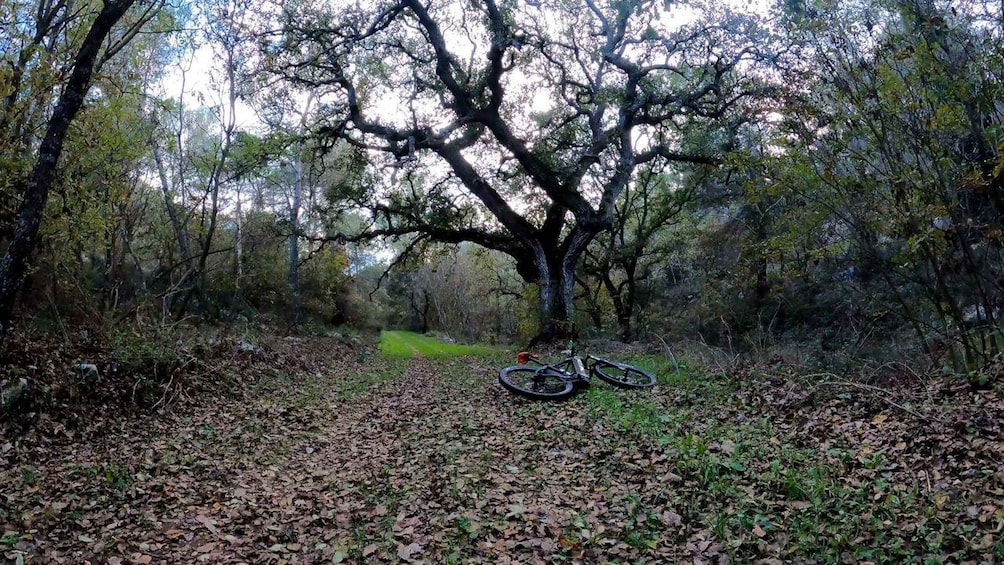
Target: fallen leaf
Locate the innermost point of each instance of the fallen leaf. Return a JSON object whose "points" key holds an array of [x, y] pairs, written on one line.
{"points": [[567, 543], [405, 552], [728, 447], [370, 549], [670, 518]]}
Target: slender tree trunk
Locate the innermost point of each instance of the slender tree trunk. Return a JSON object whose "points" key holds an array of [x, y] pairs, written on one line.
{"points": [[424, 313], [172, 213], [622, 298], [15, 261], [294, 240], [294, 217], [238, 243]]}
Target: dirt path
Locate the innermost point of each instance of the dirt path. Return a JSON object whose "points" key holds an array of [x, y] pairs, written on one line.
{"points": [[437, 466], [430, 461]]}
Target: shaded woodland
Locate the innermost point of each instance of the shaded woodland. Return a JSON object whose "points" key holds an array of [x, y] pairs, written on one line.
{"points": [[814, 182], [263, 261]]}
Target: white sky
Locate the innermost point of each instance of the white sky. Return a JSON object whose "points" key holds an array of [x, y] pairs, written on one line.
{"points": [[200, 64]]}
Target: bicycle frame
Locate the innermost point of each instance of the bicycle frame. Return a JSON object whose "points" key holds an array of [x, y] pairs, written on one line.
{"points": [[538, 380], [579, 366]]}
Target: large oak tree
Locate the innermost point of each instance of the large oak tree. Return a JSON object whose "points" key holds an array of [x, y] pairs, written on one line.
{"points": [[514, 125]]}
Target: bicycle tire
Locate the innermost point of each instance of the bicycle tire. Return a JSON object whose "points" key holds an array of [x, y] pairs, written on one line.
{"points": [[621, 374], [536, 383]]}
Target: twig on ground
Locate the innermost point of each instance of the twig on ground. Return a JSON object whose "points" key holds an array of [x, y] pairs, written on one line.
{"points": [[167, 390], [882, 393]]}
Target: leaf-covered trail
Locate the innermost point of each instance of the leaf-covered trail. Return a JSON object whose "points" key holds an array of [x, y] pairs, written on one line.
{"points": [[335, 457], [438, 465], [441, 468]]}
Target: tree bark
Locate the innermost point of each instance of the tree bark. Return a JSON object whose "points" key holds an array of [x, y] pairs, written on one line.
{"points": [[14, 264], [555, 277], [293, 277]]}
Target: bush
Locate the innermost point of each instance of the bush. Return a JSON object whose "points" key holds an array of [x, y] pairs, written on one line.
{"points": [[151, 356]]}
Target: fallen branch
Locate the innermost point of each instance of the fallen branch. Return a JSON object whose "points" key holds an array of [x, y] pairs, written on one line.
{"points": [[883, 394]]}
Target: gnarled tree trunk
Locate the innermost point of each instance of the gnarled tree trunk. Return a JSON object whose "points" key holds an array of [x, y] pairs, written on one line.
{"points": [[555, 277]]}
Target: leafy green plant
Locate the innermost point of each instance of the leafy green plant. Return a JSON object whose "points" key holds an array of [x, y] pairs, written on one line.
{"points": [[9, 539], [117, 475], [30, 475]]}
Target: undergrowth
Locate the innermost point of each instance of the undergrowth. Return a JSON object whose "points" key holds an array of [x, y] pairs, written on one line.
{"points": [[761, 489]]}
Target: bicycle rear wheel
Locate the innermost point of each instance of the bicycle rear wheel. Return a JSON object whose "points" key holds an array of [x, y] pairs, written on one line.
{"points": [[621, 374], [536, 383]]}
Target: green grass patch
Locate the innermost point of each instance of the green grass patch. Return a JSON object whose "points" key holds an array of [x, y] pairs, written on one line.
{"points": [[627, 411], [404, 345], [308, 391], [764, 489]]}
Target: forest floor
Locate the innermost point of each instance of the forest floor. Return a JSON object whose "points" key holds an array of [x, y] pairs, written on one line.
{"points": [[327, 452]]}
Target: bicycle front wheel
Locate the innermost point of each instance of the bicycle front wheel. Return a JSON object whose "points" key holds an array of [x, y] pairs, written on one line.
{"points": [[621, 374], [536, 383]]}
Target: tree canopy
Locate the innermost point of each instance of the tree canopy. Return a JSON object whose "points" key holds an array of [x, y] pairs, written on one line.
{"points": [[809, 169], [517, 126]]}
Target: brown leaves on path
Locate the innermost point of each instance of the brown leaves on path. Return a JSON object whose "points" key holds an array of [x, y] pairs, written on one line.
{"points": [[343, 459], [330, 465]]}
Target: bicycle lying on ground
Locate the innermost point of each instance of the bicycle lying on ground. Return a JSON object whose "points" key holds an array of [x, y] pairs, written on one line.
{"points": [[543, 381]]}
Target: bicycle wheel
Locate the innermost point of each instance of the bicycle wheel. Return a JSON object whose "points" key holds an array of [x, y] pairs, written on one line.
{"points": [[536, 383], [621, 374]]}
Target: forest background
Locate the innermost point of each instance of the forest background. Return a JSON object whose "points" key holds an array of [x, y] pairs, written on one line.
{"points": [[817, 183], [792, 215]]}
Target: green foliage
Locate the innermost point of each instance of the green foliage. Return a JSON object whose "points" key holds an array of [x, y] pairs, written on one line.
{"points": [[29, 476], [854, 209], [152, 351], [326, 286], [404, 345], [467, 293]]}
